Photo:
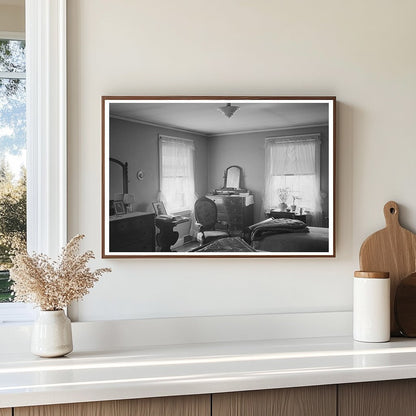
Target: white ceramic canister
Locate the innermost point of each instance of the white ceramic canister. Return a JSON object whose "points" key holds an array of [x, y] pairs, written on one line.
{"points": [[371, 308]]}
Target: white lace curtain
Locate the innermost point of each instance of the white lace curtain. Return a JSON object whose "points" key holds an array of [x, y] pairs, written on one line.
{"points": [[177, 183], [293, 164]]}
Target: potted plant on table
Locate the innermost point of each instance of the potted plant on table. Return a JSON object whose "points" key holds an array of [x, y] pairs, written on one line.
{"points": [[52, 286], [283, 194]]}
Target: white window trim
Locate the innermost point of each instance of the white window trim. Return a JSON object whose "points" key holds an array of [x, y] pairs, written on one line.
{"points": [[46, 125], [46, 134], [12, 35]]}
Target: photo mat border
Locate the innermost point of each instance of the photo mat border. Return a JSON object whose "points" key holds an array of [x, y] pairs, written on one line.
{"points": [[332, 123]]}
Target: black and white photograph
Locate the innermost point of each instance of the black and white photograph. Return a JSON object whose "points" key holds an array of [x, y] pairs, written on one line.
{"points": [[218, 176]]}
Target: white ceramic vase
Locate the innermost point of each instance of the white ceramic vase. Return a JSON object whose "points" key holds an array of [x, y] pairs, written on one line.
{"points": [[52, 334], [283, 206]]}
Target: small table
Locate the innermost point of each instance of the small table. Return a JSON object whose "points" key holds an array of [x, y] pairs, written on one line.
{"points": [[166, 237]]}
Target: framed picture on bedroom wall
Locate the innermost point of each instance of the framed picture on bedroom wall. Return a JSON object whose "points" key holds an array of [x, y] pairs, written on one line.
{"points": [[237, 176]]}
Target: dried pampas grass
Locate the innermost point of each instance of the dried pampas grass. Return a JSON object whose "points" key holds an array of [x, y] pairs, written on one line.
{"points": [[53, 285]]}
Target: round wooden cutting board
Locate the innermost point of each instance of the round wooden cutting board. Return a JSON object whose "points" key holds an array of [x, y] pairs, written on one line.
{"points": [[392, 250], [405, 306]]}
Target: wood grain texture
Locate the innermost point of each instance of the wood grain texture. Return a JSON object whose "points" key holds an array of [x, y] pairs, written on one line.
{"points": [[160, 406], [371, 275], [392, 250], [5, 412], [405, 306], [382, 398], [300, 401]]}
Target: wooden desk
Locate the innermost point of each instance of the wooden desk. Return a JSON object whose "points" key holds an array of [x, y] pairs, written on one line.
{"points": [[166, 237], [133, 232]]}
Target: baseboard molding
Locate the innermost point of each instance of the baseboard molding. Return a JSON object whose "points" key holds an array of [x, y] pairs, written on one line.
{"points": [[101, 335]]}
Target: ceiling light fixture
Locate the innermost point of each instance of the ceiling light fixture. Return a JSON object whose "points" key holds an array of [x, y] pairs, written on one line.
{"points": [[228, 110]]}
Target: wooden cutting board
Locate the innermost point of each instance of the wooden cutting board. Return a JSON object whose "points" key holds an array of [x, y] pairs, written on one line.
{"points": [[392, 250], [405, 306]]}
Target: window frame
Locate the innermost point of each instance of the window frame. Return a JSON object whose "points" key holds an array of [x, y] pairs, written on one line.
{"points": [[46, 118], [297, 138], [46, 125]]}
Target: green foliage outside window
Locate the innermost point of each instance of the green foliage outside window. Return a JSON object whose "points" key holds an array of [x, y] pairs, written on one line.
{"points": [[12, 224], [12, 148]]}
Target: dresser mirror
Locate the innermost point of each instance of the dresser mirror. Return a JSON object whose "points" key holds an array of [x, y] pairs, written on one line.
{"points": [[232, 177], [118, 177]]}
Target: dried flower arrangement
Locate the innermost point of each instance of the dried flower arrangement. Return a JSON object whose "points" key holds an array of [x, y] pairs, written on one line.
{"points": [[52, 285]]}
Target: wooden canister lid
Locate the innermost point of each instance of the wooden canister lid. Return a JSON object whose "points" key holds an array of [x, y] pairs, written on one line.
{"points": [[372, 275]]}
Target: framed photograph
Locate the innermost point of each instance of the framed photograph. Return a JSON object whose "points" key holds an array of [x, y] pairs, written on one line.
{"points": [[119, 208], [241, 176], [159, 208]]}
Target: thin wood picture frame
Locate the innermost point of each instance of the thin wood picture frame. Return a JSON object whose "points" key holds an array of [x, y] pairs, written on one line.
{"points": [[159, 208], [285, 147], [119, 208]]}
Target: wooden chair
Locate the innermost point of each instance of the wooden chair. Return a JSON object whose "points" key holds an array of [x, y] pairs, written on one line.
{"points": [[206, 221]]}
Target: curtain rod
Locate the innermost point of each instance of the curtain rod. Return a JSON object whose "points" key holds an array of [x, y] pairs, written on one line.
{"points": [[298, 138], [165, 137]]}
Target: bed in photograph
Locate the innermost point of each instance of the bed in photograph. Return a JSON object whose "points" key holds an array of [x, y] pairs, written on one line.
{"points": [[274, 235], [286, 235], [227, 244]]}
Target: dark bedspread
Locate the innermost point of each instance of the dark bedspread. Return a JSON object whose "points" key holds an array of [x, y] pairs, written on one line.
{"points": [[274, 235], [276, 226], [314, 241]]}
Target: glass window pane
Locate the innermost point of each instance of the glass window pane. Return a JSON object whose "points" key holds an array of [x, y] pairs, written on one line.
{"points": [[12, 55], [12, 159], [299, 191], [177, 174], [12, 119]]}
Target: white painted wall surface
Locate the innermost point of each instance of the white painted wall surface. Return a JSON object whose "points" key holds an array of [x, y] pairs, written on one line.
{"points": [[12, 16], [362, 52]]}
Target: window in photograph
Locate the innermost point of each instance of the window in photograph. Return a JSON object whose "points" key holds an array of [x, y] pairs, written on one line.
{"points": [[12, 156], [177, 183], [293, 173]]}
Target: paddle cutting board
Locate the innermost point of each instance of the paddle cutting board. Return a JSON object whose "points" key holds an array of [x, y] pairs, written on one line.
{"points": [[392, 250]]}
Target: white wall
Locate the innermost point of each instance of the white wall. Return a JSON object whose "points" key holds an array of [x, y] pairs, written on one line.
{"points": [[12, 17], [361, 51]]}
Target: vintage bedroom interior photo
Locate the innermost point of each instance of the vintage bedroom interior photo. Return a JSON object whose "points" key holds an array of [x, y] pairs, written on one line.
{"points": [[219, 176]]}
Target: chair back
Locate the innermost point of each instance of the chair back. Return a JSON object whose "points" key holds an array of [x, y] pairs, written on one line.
{"points": [[206, 212]]}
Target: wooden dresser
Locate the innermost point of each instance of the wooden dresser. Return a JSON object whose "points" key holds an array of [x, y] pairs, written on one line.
{"points": [[236, 210], [133, 232]]}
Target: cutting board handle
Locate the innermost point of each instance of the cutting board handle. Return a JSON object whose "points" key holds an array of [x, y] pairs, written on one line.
{"points": [[391, 214]]}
